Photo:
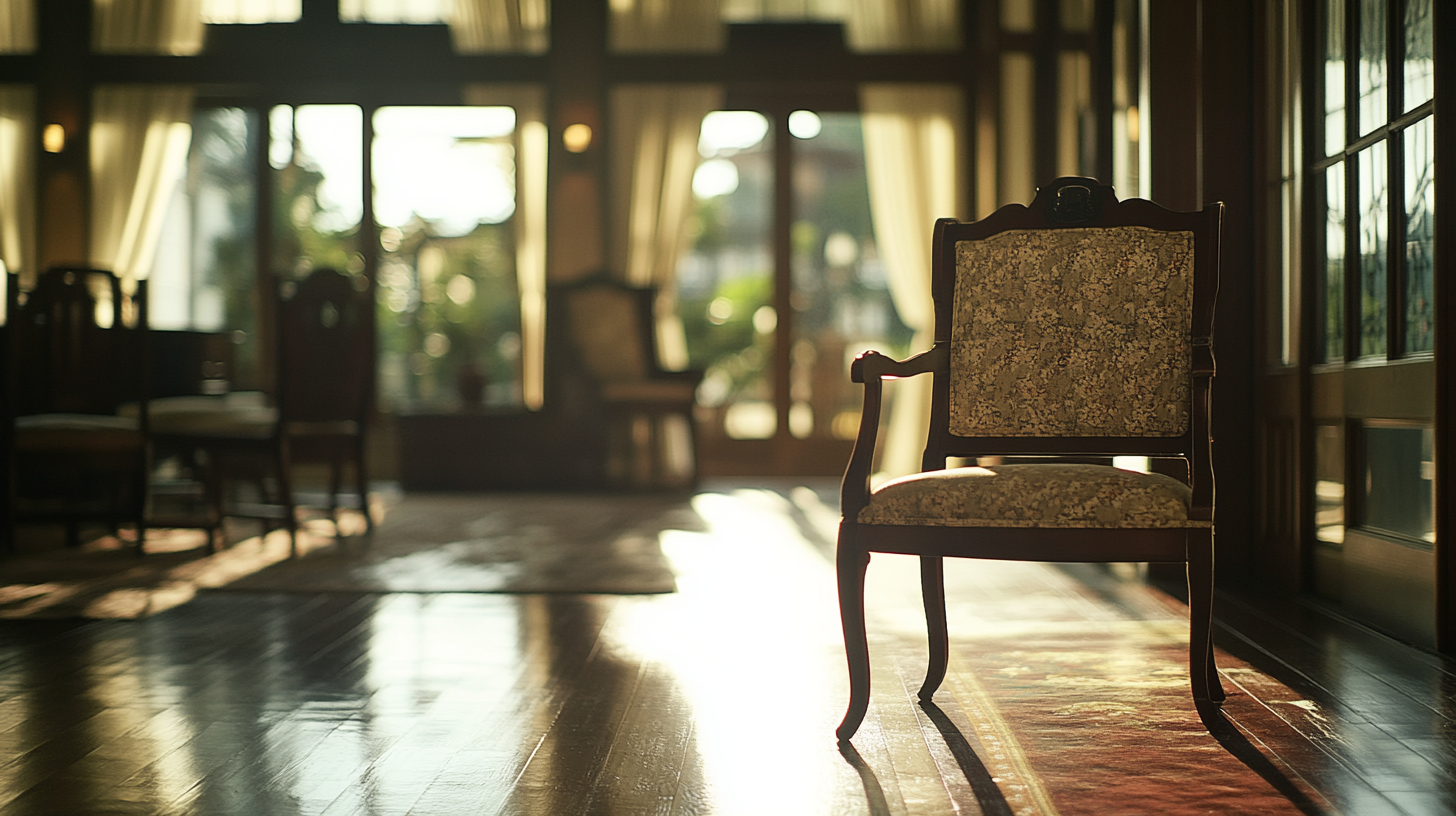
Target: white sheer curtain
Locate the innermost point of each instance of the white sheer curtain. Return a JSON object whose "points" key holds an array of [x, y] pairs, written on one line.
{"points": [[494, 26], [148, 27], [655, 136], [17, 181], [17, 26], [532, 145], [667, 25], [903, 25], [139, 141], [914, 164]]}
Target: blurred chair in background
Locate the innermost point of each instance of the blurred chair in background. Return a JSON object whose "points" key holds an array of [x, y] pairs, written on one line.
{"points": [[612, 348], [77, 353]]}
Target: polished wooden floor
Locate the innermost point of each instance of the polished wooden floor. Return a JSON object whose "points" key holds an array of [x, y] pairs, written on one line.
{"points": [[720, 698]]}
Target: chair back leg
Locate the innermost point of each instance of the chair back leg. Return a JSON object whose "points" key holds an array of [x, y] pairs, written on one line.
{"points": [[932, 593], [1202, 671]]}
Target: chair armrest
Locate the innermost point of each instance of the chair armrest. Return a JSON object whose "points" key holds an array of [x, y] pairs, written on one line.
{"points": [[872, 368]]}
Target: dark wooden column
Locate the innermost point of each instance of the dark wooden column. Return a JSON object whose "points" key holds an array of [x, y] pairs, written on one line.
{"points": [[1204, 98], [578, 181], [62, 180]]}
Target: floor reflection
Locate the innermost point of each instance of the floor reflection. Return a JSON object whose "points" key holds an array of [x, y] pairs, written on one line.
{"points": [[1065, 695]]}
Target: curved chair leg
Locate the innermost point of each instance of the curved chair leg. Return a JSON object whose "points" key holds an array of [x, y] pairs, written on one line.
{"points": [[1202, 672], [851, 563], [932, 592], [285, 495], [361, 476]]}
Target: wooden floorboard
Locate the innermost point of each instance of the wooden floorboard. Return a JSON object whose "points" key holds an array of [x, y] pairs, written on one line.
{"points": [[720, 698]]}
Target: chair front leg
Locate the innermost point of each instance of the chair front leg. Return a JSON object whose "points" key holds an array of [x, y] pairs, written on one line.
{"points": [[851, 562], [1202, 671], [932, 592]]}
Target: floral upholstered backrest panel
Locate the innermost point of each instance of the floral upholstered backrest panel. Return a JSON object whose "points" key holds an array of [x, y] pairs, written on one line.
{"points": [[1072, 332], [607, 331]]}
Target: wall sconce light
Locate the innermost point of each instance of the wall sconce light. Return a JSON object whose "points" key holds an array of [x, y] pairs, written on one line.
{"points": [[53, 138], [577, 138]]}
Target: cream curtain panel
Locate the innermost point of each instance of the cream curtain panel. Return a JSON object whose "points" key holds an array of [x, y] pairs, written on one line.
{"points": [[914, 163], [139, 141], [532, 145], [17, 26], [501, 26], [667, 25], [655, 153], [17, 180], [148, 27], [902, 25]]}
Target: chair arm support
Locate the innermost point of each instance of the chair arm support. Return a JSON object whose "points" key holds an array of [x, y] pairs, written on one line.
{"points": [[871, 368], [872, 364]]}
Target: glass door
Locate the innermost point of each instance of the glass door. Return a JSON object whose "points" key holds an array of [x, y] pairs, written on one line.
{"points": [[1372, 384]]}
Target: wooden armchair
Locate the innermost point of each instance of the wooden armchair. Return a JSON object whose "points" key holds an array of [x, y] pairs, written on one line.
{"points": [[1081, 326], [610, 346], [77, 352]]}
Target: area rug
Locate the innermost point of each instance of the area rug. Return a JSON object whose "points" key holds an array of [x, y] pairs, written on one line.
{"points": [[497, 543], [105, 578], [502, 542], [1099, 719]]}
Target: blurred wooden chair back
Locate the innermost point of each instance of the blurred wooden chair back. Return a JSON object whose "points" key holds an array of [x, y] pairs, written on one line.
{"points": [[77, 353], [611, 343]]}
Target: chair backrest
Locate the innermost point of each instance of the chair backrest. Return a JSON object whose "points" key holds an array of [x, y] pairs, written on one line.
{"points": [[325, 348], [78, 343], [611, 328], [1078, 325]]}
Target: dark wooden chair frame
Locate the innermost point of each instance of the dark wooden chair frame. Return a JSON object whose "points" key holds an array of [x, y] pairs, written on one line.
{"points": [[1066, 203], [323, 395], [82, 368], [619, 412]]}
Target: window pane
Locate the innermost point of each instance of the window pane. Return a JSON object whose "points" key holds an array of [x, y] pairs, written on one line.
{"points": [[1076, 121], [725, 280], [761, 11], [1076, 15], [317, 155], [449, 306], [1334, 76], [1399, 481], [204, 274], [1420, 63], [1371, 73], [251, 11], [1332, 284], [394, 11], [1373, 195], [841, 299], [1329, 485], [1420, 236], [1017, 137]]}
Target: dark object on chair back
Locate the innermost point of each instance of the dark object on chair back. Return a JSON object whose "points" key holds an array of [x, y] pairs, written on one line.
{"points": [[77, 353], [1079, 327]]}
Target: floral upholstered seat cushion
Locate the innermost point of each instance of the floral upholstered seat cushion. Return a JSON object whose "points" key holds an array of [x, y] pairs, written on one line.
{"points": [[1072, 332], [1051, 495]]}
